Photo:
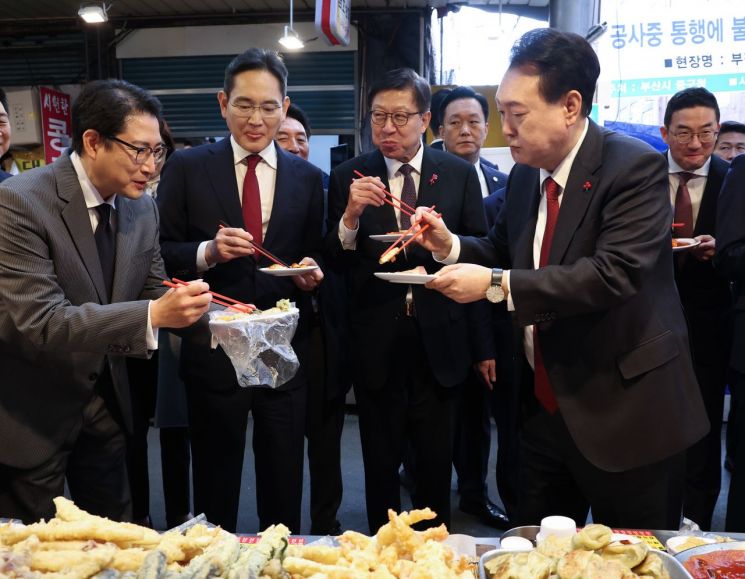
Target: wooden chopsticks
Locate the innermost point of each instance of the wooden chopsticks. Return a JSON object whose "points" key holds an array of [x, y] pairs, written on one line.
{"points": [[393, 251], [216, 297], [405, 208], [261, 250]]}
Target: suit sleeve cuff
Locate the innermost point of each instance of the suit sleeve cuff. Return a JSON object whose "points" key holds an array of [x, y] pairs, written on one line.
{"points": [[506, 284]]}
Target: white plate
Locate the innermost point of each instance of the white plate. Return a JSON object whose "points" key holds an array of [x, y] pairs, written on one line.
{"points": [[676, 544], [689, 243], [288, 271], [390, 237], [403, 277]]}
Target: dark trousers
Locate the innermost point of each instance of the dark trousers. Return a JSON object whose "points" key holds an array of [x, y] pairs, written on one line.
{"points": [[324, 426], [736, 499], [143, 379], [411, 406], [217, 425], [703, 479], [92, 459], [555, 479], [175, 461]]}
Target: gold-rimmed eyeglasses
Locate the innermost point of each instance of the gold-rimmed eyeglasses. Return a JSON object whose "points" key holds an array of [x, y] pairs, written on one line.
{"points": [[399, 118], [142, 154], [685, 137]]}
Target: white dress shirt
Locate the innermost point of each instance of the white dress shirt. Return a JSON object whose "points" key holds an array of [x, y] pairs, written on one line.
{"points": [[92, 200], [266, 175], [348, 237], [696, 185]]}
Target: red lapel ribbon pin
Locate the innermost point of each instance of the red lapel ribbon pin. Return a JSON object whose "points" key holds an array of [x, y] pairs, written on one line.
{"points": [[433, 178], [587, 186]]}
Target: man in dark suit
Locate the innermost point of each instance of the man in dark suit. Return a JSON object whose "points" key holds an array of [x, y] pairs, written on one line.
{"points": [[410, 346], [695, 177], [80, 289], [729, 260], [464, 114], [585, 233], [262, 194], [5, 131]]}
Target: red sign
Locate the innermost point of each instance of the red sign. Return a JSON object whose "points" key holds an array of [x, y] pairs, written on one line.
{"points": [[332, 21], [55, 122]]}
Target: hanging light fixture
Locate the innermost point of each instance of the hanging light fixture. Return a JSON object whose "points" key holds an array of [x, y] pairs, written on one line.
{"points": [[290, 40], [94, 13]]}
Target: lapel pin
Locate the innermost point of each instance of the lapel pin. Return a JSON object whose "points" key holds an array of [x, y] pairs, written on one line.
{"points": [[433, 179], [587, 186]]}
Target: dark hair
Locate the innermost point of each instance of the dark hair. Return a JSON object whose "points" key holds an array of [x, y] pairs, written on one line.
{"points": [[460, 93], [732, 127], [256, 59], [4, 101], [105, 106], [436, 100], [295, 112], [403, 79], [688, 98], [564, 61], [166, 136]]}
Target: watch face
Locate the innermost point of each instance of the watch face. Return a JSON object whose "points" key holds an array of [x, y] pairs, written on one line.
{"points": [[495, 294]]}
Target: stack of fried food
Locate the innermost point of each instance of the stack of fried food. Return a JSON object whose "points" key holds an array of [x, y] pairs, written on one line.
{"points": [[76, 545], [396, 551], [590, 554]]}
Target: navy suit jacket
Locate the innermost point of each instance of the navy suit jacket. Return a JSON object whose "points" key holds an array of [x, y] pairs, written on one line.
{"points": [[730, 256], [495, 179], [375, 304], [612, 331], [197, 191]]}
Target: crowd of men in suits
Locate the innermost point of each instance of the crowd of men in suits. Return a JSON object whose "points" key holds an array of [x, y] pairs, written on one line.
{"points": [[559, 308]]}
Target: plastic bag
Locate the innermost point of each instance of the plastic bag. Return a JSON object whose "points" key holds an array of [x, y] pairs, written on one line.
{"points": [[258, 345]]}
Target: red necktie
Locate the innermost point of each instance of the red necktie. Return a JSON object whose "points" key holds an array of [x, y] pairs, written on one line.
{"points": [[683, 207], [542, 385], [252, 200]]}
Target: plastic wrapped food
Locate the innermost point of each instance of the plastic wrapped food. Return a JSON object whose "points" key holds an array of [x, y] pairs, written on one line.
{"points": [[259, 344]]}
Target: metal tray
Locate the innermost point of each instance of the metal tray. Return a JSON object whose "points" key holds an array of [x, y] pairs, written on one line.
{"points": [[673, 566], [683, 556]]}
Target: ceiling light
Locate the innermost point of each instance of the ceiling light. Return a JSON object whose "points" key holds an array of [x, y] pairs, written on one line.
{"points": [[290, 40], [93, 13]]}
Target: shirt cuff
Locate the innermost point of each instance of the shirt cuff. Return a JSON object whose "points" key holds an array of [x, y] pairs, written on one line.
{"points": [[506, 282], [151, 334], [348, 237], [454, 254], [202, 264]]}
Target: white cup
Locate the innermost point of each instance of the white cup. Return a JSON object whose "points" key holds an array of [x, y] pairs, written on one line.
{"points": [[557, 526]]}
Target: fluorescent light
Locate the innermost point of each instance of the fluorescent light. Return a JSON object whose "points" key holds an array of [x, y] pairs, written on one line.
{"points": [[93, 13], [290, 40]]}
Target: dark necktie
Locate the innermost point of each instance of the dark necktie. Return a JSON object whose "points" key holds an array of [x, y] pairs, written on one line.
{"points": [[542, 385], [251, 200], [408, 194], [106, 245], [683, 207]]}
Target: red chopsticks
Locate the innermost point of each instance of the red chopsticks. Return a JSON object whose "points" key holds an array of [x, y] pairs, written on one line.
{"points": [[393, 251], [261, 250], [216, 297], [401, 205]]}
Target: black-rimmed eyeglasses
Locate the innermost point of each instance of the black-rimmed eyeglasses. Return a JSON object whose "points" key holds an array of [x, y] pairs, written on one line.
{"points": [[142, 154]]}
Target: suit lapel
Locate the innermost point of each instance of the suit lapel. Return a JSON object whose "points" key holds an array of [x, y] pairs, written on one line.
{"points": [[78, 222], [578, 192], [706, 219], [221, 171], [284, 185], [375, 166], [528, 186], [430, 182]]}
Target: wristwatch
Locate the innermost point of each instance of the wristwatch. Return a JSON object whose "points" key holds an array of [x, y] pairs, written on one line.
{"points": [[494, 292]]}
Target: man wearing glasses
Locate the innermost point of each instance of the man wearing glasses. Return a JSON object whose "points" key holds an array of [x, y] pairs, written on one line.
{"points": [[695, 179], [80, 289], [410, 346], [264, 195]]}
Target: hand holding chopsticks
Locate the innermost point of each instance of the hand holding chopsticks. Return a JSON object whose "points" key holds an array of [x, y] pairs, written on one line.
{"points": [[216, 297], [233, 242], [390, 253], [181, 308]]}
